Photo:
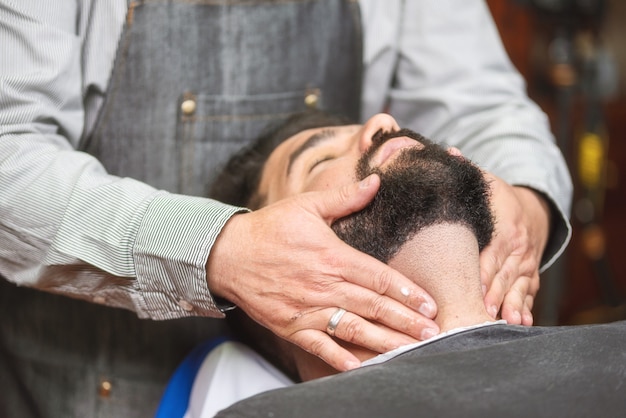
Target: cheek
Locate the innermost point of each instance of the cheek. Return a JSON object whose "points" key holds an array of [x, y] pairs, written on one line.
{"points": [[330, 178]]}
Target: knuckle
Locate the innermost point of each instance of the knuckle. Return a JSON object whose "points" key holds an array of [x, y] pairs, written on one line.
{"points": [[493, 258], [341, 196], [353, 330], [382, 282], [331, 264], [377, 309], [507, 274], [316, 347], [529, 265], [346, 192], [488, 265], [316, 286]]}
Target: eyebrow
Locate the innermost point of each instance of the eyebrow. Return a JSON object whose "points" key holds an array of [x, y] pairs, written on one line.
{"points": [[311, 142]]}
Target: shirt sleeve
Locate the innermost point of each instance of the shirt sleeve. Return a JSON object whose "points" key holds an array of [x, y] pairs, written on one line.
{"points": [[66, 225], [449, 78]]}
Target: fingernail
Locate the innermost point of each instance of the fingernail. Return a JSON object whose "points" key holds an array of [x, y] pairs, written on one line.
{"points": [[429, 333], [364, 184], [405, 291], [528, 319], [493, 311], [517, 318], [351, 365], [426, 309]]}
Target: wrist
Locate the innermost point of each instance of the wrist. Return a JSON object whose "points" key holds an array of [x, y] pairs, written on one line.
{"points": [[219, 265]]}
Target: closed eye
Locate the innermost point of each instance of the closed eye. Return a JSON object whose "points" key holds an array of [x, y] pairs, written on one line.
{"points": [[320, 161]]}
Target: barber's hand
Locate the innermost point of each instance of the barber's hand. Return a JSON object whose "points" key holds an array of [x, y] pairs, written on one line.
{"points": [[509, 265], [285, 267]]}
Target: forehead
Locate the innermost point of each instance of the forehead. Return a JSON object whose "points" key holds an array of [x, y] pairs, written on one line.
{"points": [[293, 147], [276, 181]]}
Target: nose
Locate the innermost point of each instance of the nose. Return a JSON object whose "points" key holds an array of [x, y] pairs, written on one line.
{"points": [[374, 124]]}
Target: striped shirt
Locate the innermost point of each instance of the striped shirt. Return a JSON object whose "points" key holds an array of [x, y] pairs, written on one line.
{"points": [[69, 227]]}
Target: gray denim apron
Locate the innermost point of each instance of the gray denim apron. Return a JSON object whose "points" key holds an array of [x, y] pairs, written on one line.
{"points": [[232, 68], [193, 82]]}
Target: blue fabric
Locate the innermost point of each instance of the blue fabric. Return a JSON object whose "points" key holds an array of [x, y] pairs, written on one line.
{"points": [[175, 400]]}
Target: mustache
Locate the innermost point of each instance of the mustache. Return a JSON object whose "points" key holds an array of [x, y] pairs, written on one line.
{"points": [[381, 136], [363, 168]]}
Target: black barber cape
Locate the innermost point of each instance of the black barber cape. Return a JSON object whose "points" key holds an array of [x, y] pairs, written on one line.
{"points": [[500, 370]]}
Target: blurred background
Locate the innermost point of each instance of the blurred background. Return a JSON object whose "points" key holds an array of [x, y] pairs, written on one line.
{"points": [[573, 56]]}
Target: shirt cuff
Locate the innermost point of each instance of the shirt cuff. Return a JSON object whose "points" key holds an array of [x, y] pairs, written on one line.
{"points": [[560, 234], [170, 255]]}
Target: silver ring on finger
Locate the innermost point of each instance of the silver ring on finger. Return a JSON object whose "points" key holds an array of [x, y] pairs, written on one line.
{"points": [[334, 321]]}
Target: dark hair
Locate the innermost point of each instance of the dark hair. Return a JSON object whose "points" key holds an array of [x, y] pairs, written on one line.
{"points": [[238, 182]]}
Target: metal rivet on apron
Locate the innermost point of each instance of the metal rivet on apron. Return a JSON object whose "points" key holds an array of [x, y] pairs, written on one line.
{"points": [[311, 100], [188, 106], [105, 388]]}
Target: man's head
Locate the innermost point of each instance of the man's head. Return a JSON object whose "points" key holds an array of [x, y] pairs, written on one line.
{"points": [[422, 184]]}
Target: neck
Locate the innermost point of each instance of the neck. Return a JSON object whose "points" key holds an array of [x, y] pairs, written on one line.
{"points": [[443, 260]]}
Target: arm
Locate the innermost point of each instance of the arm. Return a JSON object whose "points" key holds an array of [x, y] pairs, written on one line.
{"points": [[66, 225], [452, 81]]}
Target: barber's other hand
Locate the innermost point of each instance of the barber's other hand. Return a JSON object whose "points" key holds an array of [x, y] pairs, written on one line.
{"points": [[509, 265], [287, 270]]}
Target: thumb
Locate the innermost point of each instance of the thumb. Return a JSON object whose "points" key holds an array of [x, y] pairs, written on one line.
{"points": [[337, 203]]}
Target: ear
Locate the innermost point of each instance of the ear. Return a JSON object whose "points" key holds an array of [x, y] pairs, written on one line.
{"points": [[455, 152]]}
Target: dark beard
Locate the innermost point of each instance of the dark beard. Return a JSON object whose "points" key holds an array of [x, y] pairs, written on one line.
{"points": [[420, 188]]}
